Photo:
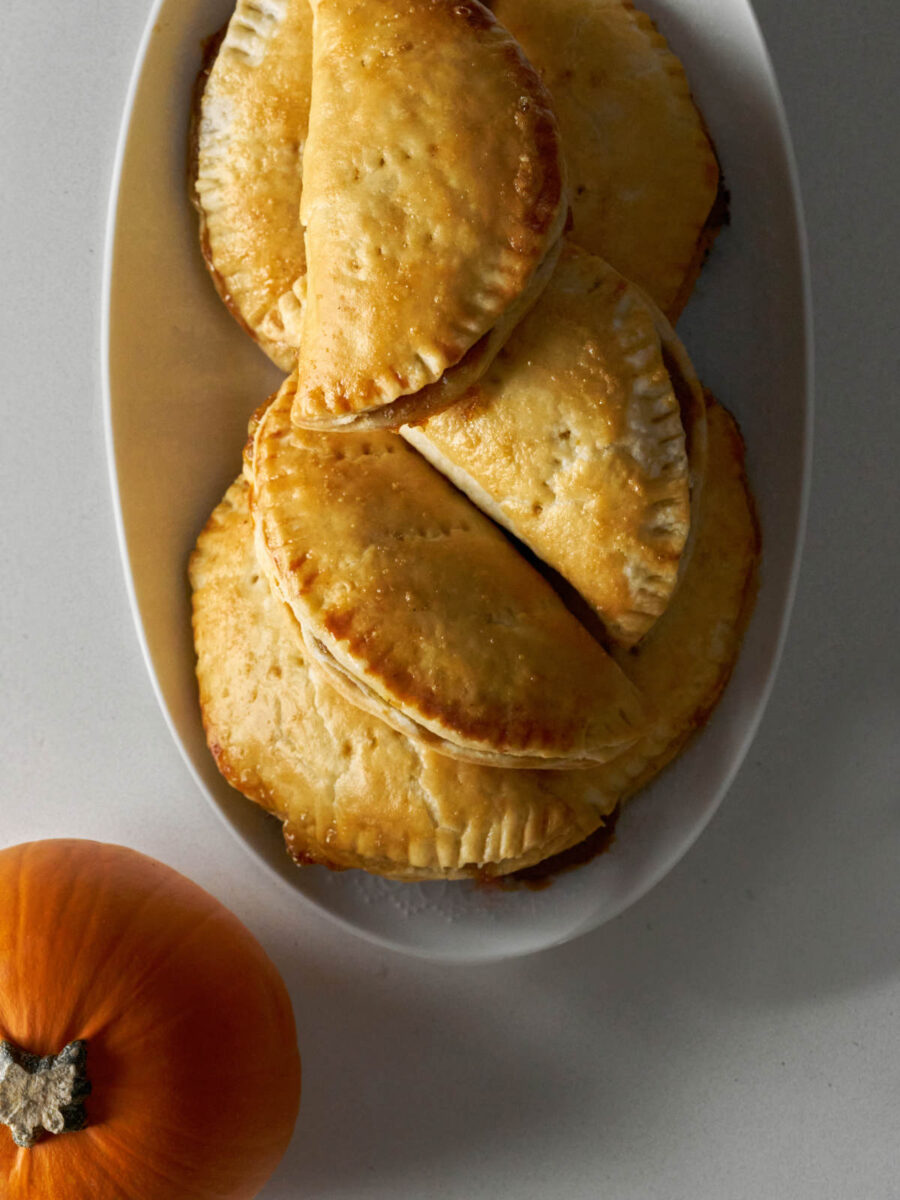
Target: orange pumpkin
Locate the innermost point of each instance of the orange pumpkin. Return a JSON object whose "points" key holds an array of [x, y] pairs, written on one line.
{"points": [[191, 1050]]}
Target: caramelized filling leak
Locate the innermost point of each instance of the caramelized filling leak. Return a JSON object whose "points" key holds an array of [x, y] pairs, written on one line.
{"points": [[542, 874]]}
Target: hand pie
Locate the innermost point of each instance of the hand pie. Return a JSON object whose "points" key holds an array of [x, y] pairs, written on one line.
{"points": [[432, 193], [352, 792], [249, 130], [573, 440], [421, 610], [643, 176]]}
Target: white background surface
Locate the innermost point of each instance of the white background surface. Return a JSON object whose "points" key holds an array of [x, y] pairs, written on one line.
{"points": [[737, 1033]]}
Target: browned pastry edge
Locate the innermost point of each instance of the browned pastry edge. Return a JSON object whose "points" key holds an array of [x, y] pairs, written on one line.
{"points": [[716, 220], [542, 874], [719, 217], [209, 52], [305, 855], [301, 854]]}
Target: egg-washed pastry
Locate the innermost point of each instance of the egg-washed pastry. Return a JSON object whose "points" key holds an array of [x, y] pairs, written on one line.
{"points": [[249, 129], [456, 380], [432, 192], [421, 610], [643, 175], [573, 440], [351, 792]]}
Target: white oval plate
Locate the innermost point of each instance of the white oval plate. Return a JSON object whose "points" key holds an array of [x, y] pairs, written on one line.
{"points": [[182, 379]]}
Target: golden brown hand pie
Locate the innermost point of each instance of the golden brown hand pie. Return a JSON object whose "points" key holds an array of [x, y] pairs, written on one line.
{"points": [[573, 440], [643, 176], [352, 792], [249, 132], [432, 192], [421, 610]]}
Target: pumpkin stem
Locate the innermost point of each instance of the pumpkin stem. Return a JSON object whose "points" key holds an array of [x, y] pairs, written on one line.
{"points": [[42, 1093]]}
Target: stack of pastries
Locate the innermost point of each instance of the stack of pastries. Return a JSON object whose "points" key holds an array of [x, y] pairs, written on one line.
{"points": [[489, 559]]}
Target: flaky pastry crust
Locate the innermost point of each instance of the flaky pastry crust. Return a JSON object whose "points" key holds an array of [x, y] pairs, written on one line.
{"points": [[433, 189], [573, 440], [413, 599], [350, 791]]}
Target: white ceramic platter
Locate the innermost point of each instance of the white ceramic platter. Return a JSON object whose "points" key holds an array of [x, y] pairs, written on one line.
{"points": [[182, 380]]}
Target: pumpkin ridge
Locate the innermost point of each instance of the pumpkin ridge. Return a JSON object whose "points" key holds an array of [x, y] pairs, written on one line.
{"points": [[95, 1166], [158, 964], [117, 1148], [91, 1028]]}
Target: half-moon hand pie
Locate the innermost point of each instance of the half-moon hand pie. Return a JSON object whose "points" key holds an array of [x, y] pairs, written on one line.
{"points": [[433, 190], [351, 791], [573, 440], [421, 609]]}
